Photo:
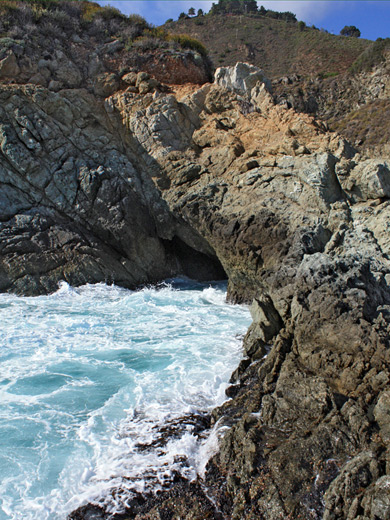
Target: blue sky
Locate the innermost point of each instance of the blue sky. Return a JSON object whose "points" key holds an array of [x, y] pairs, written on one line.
{"points": [[372, 17]]}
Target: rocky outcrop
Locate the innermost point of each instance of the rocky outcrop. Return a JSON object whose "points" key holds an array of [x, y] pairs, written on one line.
{"points": [[101, 69], [241, 78], [73, 203], [153, 182]]}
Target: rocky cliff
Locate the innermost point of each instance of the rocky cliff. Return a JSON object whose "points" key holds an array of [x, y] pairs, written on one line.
{"points": [[343, 81], [146, 181]]}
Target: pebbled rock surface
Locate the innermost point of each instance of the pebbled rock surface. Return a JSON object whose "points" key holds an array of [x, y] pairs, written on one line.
{"points": [[151, 182]]}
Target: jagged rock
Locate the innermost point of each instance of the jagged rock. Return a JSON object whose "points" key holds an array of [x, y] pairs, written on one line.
{"points": [[369, 179], [111, 47], [353, 104], [382, 415], [342, 499], [130, 78], [241, 78], [65, 70], [376, 501], [106, 84]]}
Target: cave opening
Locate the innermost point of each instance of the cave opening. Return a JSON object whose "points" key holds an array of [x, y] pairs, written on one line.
{"points": [[195, 264]]}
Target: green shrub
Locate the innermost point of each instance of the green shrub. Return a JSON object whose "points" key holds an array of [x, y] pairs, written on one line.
{"points": [[109, 13], [136, 19], [59, 19], [90, 10], [157, 32], [371, 57], [147, 43], [187, 42], [8, 43], [350, 30]]}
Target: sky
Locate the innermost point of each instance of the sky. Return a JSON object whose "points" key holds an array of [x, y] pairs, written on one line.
{"points": [[372, 17]]}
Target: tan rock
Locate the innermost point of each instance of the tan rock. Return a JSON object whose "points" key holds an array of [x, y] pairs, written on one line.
{"points": [[130, 78]]}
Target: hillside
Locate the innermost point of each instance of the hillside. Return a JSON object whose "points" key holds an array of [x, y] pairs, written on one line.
{"points": [[340, 80], [66, 44], [278, 47]]}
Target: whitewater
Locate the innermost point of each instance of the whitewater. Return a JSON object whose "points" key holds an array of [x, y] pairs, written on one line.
{"points": [[90, 377]]}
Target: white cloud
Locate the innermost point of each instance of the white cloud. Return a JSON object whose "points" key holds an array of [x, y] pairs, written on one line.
{"points": [[310, 11]]}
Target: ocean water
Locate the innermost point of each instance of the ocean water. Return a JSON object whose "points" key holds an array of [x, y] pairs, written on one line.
{"points": [[89, 379]]}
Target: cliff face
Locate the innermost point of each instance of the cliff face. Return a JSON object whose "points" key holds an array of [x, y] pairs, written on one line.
{"points": [[299, 223], [155, 181], [76, 201]]}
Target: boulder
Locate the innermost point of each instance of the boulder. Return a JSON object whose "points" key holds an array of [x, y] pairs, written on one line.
{"points": [[9, 67], [241, 78], [106, 84], [369, 179]]}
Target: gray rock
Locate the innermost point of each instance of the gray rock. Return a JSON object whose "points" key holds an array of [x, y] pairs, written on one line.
{"points": [[382, 415], [144, 187], [130, 78], [369, 179], [241, 78], [342, 499], [106, 84]]}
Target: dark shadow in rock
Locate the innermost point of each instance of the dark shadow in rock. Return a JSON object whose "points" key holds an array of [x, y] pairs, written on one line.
{"points": [[194, 264]]}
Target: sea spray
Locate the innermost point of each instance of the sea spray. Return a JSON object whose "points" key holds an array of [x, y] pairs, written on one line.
{"points": [[102, 390]]}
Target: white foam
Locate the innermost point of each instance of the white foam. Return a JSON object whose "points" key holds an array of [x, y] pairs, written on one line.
{"points": [[93, 373]]}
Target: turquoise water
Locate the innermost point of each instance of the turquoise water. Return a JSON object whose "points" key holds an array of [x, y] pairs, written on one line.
{"points": [[88, 374]]}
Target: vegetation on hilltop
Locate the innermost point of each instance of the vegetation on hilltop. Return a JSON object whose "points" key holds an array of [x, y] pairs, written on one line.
{"points": [[277, 43], [76, 43], [350, 30], [249, 7], [320, 66]]}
